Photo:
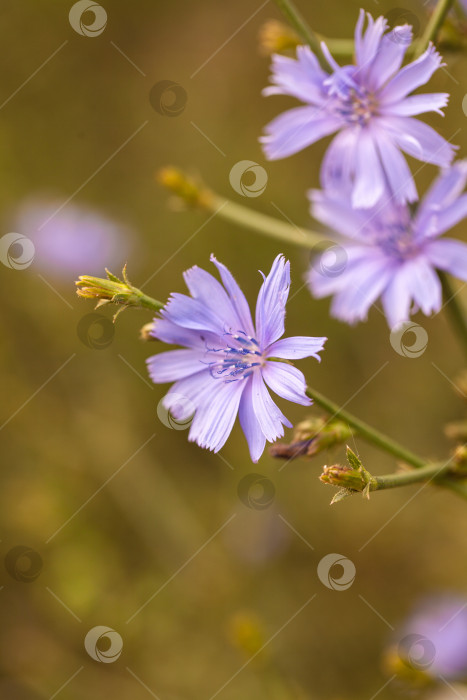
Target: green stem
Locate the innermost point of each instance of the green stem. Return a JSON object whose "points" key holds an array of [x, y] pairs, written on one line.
{"points": [[266, 225], [366, 431], [148, 302], [434, 25], [427, 473], [289, 11], [456, 313]]}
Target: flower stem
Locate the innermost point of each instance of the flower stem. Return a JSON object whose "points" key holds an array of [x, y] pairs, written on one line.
{"points": [[265, 224], [434, 25], [456, 313], [413, 476], [366, 431], [295, 18]]}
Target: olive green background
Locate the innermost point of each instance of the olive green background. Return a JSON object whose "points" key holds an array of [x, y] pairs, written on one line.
{"points": [[159, 514]]}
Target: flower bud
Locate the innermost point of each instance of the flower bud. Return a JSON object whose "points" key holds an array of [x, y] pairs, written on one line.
{"points": [[276, 37], [311, 437], [245, 633], [186, 188]]}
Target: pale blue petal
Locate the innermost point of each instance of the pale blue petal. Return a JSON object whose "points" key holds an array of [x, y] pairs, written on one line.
{"points": [[192, 313], [366, 46], [287, 382], [237, 298], [171, 333], [419, 140], [352, 303], [174, 364], [250, 424], [270, 305], [186, 395], [207, 290], [446, 188], [214, 419], [338, 164], [270, 418], [369, 176], [449, 255], [297, 347], [390, 56], [412, 76], [296, 129], [301, 78], [397, 171], [416, 104], [337, 213]]}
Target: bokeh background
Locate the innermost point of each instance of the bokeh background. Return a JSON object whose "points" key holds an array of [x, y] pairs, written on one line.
{"points": [[120, 507]]}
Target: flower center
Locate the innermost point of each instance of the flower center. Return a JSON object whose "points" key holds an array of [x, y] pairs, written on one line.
{"points": [[237, 359], [354, 103], [396, 240]]}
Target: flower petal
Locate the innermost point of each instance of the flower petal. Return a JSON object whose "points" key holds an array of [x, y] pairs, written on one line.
{"points": [[270, 418], [337, 213], [297, 347], [206, 289], [352, 302], [417, 104], [272, 298], [397, 171], [192, 313], [338, 163], [250, 424], [296, 129], [174, 364], [412, 76], [369, 176], [367, 44], [396, 299], [449, 255], [389, 58], [287, 382], [214, 419], [171, 333], [301, 78], [419, 140], [236, 297]]}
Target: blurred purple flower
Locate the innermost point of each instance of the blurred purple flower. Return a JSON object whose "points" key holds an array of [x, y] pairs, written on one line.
{"points": [[227, 360], [434, 638], [73, 239], [370, 105], [392, 252]]}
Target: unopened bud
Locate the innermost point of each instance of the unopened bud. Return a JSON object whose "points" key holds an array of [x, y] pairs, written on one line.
{"points": [[353, 477], [456, 431], [311, 437], [245, 633], [146, 332], [276, 37], [186, 188]]}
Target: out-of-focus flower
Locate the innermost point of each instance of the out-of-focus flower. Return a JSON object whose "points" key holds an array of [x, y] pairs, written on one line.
{"points": [[392, 252], [227, 361], [370, 106], [73, 238], [432, 643]]}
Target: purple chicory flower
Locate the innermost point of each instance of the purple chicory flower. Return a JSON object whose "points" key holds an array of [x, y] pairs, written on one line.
{"points": [[391, 252], [227, 360], [70, 239], [434, 638], [370, 106]]}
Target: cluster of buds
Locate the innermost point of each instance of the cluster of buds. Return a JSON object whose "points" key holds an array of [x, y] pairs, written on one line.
{"points": [[115, 291], [350, 478], [311, 437]]}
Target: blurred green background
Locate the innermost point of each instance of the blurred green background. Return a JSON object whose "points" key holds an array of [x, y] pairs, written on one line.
{"points": [[143, 510]]}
